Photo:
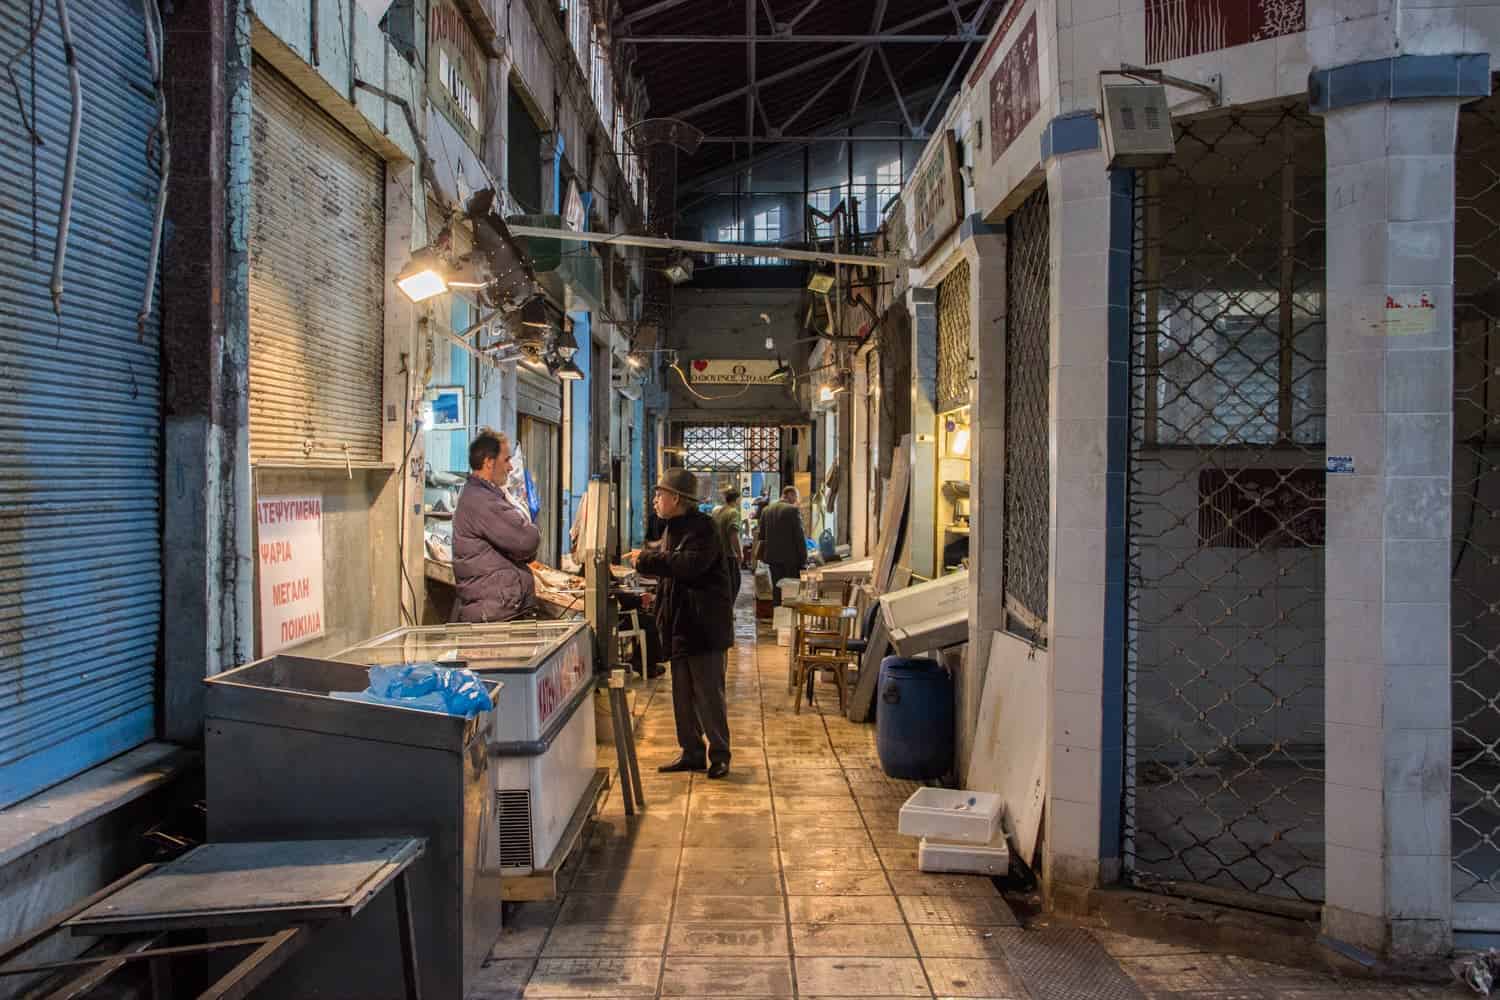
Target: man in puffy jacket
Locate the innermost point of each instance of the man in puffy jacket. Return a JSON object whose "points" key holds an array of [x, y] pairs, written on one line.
{"points": [[493, 540], [695, 614]]}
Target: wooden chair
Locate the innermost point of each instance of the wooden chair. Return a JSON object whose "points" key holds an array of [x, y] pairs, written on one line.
{"points": [[821, 642]]}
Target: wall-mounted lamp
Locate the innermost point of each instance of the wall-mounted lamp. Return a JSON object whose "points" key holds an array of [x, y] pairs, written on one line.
{"points": [[424, 276]]}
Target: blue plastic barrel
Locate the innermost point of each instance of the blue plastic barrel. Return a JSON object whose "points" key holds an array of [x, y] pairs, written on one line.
{"points": [[915, 720]]}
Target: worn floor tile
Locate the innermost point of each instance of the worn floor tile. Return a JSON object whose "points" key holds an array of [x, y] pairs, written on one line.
{"points": [[831, 859], [827, 838], [724, 834], [1124, 946], [820, 883], [974, 977], [830, 977], [580, 978], [844, 910], [698, 860], [899, 858], [958, 910], [599, 908], [501, 979], [950, 941], [630, 881], [926, 884], [612, 940], [697, 883], [628, 857], [746, 940], [519, 942], [726, 977], [1156, 974], [729, 909], [852, 941]]}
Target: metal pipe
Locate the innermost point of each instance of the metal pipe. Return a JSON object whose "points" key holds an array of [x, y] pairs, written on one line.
{"points": [[70, 170], [153, 24], [739, 139], [696, 246], [965, 38]]}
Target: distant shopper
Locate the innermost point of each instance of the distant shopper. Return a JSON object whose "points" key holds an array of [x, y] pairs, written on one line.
{"points": [[727, 519], [493, 540], [695, 613], [783, 544]]}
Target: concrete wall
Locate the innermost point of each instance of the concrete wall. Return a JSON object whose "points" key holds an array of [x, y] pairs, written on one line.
{"points": [[727, 323]]}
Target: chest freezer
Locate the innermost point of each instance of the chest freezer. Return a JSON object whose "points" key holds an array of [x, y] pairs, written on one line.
{"points": [[929, 616], [541, 734]]}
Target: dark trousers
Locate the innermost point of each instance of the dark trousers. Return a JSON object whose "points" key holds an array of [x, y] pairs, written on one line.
{"points": [[698, 705], [736, 577], [779, 572]]}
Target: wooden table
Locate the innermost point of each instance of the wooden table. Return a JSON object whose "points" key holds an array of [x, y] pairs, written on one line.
{"points": [[297, 884]]}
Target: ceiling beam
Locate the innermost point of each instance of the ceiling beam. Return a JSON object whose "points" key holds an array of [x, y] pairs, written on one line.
{"points": [[877, 21], [696, 246], [816, 97], [953, 70], [741, 139], [661, 6], [751, 94], [900, 101], [812, 5], [965, 38], [800, 68]]}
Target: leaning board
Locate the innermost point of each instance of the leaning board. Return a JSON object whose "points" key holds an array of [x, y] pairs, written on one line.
{"points": [[892, 515], [1010, 742]]}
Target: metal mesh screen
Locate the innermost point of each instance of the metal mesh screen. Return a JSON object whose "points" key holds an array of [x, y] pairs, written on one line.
{"points": [[1028, 472], [1476, 509], [731, 448], [1224, 731], [953, 339]]}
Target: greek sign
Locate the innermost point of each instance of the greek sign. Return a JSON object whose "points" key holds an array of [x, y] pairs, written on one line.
{"points": [[290, 535], [557, 681], [456, 72], [1410, 315], [937, 195], [731, 372]]}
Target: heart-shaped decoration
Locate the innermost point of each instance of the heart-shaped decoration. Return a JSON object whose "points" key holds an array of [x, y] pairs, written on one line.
{"points": [[699, 366]]}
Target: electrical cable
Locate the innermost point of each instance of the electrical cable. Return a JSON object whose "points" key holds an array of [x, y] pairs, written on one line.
{"points": [[70, 169], [710, 399]]}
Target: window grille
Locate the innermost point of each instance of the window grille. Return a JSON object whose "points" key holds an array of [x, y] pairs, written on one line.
{"points": [[730, 448]]}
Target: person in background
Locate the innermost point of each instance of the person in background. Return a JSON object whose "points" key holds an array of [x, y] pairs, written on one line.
{"points": [[727, 520], [493, 540], [695, 614], [783, 543]]}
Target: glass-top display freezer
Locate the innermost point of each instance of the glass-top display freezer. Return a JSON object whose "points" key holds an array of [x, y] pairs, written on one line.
{"points": [[542, 737]]}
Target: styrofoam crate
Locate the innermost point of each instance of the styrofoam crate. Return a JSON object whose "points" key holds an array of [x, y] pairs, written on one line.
{"points": [[952, 814], [964, 859], [784, 618], [791, 589], [783, 637]]}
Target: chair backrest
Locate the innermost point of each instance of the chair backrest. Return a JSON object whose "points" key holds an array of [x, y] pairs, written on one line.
{"points": [[826, 618]]}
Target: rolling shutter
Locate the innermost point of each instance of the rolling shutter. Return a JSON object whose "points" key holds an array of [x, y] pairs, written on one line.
{"points": [[317, 296], [80, 409], [538, 395]]}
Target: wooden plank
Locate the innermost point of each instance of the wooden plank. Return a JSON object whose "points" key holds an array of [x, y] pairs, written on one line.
{"points": [[892, 515], [1010, 742], [863, 698], [242, 980], [85, 984], [230, 884]]}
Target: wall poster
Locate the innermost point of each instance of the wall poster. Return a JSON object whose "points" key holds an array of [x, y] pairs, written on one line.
{"points": [[289, 532], [1177, 29]]}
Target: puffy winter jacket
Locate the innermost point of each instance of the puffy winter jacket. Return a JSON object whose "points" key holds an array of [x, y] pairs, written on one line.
{"points": [[493, 540], [695, 601]]}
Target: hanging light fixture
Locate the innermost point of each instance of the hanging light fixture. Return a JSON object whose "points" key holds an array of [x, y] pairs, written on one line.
{"points": [[534, 314], [567, 344], [424, 276], [679, 269], [569, 371], [821, 281]]}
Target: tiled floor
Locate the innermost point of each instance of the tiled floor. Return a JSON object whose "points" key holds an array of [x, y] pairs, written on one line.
{"points": [[789, 879]]}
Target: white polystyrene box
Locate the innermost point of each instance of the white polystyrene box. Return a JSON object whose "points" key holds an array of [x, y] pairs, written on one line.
{"points": [[783, 637], [951, 814], [784, 618], [928, 616], [790, 589], [964, 859]]}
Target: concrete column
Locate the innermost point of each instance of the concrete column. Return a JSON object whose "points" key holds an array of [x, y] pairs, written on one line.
{"points": [[208, 575], [986, 257], [497, 136], [921, 544], [1390, 201], [1089, 317]]}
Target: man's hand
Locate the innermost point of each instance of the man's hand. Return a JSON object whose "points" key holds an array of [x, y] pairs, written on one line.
{"points": [[631, 556]]}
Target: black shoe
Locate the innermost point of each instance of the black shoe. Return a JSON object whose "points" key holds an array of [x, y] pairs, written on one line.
{"points": [[682, 764], [655, 671], [718, 769]]}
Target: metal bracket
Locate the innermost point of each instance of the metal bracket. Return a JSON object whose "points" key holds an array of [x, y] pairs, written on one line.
{"points": [[1214, 91]]}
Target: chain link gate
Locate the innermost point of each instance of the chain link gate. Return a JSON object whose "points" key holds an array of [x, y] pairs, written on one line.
{"points": [[1476, 515], [1028, 466], [953, 339], [1224, 673]]}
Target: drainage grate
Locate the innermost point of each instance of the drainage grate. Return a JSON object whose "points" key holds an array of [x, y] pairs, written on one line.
{"points": [[1066, 963], [514, 828]]}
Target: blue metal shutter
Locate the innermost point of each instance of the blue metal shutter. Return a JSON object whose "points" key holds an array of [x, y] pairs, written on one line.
{"points": [[80, 408]]}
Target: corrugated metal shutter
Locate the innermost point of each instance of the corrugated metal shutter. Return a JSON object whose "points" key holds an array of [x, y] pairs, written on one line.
{"points": [[80, 410], [953, 359], [538, 395], [317, 296]]}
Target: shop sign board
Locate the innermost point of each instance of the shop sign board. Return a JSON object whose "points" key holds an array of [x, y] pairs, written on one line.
{"points": [[719, 371], [573, 208], [937, 193], [1015, 91], [896, 240], [456, 68], [289, 532]]}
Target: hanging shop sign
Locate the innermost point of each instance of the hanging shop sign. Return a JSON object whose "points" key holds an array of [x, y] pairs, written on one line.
{"points": [[290, 534], [897, 236], [733, 372], [456, 72], [937, 195], [574, 210], [1015, 92]]}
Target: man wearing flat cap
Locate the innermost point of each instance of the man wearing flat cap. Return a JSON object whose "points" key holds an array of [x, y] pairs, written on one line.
{"points": [[695, 614]]}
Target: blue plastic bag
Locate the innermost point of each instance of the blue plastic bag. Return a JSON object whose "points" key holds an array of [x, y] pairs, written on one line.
{"points": [[429, 687], [533, 499]]}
